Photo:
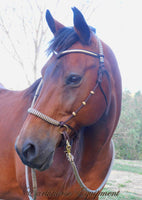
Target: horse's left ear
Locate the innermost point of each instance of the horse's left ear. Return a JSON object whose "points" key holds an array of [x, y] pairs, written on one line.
{"points": [[81, 27], [53, 24]]}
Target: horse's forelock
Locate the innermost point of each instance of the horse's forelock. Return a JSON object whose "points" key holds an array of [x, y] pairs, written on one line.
{"points": [[64, 39]]}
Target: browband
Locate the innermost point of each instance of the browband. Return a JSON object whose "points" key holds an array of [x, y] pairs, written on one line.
{"points": [[89, 53]]}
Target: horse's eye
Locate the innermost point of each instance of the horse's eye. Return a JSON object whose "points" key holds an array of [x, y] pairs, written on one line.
{"points": [[73, 80]]}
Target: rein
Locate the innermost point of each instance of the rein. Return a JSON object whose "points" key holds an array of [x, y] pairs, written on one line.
{"points": [[64, 124]]}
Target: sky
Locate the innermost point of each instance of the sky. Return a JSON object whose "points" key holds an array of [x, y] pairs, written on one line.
{"points": [[118, 24]]}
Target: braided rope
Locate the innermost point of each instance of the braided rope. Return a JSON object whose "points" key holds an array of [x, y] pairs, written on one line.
{"points": [[43, 117], [36, 93], [34, 182], [75, 170]]}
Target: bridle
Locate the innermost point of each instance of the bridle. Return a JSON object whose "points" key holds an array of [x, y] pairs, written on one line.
{"points": [[63, 124], [101, 71]]}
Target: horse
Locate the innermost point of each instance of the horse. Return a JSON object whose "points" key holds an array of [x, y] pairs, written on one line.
{"points": [[77, 102]]}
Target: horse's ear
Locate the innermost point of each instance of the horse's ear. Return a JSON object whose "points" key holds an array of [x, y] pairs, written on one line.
{"points": [[52, 23], [81, 27]]}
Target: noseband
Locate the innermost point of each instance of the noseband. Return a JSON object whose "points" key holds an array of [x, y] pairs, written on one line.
{"points": [[32, 110]]}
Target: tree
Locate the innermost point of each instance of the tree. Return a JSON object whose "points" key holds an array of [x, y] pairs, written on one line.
{"points": [[23, 33], [128, 135]]}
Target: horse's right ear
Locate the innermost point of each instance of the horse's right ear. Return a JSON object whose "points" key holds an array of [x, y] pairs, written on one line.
{"points": [[53, 24]]}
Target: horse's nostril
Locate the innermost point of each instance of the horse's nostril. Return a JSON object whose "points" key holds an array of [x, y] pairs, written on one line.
{"points": [[29, 151]]}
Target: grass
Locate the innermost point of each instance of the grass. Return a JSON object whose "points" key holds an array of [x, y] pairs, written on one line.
{"points": [[120, 196], [128, 196], [128, 168], [121, 185]]}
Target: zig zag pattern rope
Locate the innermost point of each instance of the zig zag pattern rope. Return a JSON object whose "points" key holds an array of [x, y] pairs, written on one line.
{"points": [[44, 117]]}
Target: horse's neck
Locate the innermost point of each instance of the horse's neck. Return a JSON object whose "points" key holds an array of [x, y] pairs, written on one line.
{"points": [[61, 169], [77, 148], [14, 103], [85, 148], [88, 150], [95, 148]]}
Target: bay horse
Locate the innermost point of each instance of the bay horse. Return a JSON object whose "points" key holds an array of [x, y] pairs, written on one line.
{"points": [[78, 101]]}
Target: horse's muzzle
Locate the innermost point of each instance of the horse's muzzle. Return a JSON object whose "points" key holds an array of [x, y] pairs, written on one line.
{"points": [[35, 156]]}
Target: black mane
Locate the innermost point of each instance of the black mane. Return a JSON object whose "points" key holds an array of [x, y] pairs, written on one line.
{"points": [[32, 89], [64, 39]]}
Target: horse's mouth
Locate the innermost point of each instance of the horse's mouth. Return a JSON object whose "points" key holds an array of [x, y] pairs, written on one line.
{"points": [[39, 164], [47, 163]]}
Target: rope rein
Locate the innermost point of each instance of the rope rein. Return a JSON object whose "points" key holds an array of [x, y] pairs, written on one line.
{"points": [[34, 183], [54, 122], [75, 170]]}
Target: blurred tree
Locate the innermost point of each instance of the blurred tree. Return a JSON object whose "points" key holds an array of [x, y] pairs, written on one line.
{"points": [[128, 135], [23, 34]]}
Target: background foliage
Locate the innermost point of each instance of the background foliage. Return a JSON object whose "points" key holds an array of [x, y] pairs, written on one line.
{"points": [[128, 135]]}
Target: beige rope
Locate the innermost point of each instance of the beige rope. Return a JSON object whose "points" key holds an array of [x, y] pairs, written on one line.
{"points": [[36, 93], [34, 182], [82, 185], [44, 117]]}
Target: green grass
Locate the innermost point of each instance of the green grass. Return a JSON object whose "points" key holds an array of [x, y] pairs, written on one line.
{"points": [[128, 181], [127, 168], [128, 196], [120, 196], [121, 185]]}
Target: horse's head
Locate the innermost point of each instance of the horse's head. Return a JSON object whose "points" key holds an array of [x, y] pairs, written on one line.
{"points": [[74, 92]]}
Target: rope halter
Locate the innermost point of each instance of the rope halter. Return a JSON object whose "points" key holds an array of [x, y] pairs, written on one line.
{"points": [[64, 124]]}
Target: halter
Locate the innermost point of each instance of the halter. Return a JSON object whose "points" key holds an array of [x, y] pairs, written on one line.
{"points": [[64, 124], [101, 71]]}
